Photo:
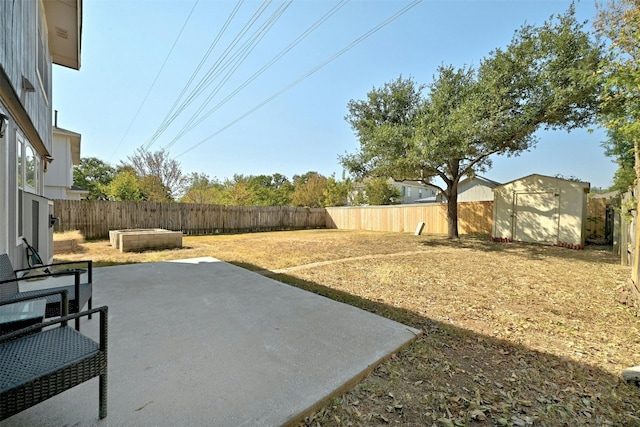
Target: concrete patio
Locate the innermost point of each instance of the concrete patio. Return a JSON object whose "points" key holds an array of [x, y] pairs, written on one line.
{"points": [[200, 342]]}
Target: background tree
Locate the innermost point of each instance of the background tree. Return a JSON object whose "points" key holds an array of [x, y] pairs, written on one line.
{"points": [[337, 192], [541, 80], [270, 190], [237, 191], [202, 189], [93, 174], [619, 22], [154, 190], [169, 182], [309, 190], [379, 191], [376, 191], [620, 146], [125, 187]]}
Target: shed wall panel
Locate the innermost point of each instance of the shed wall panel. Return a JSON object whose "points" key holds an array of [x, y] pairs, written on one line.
{"points": [[556, 215]]}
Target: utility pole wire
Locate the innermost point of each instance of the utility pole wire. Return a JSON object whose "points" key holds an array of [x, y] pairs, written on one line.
{"points": [[283, 52], [234, 62], [206, 80], [155, 79], [307, 74]]}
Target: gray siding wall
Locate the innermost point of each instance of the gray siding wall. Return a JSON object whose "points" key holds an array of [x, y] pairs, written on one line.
{"points": [[19, 21], [18, 56]]}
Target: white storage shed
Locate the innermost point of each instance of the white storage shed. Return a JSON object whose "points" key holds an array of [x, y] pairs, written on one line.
{"points": [[541, 209]]}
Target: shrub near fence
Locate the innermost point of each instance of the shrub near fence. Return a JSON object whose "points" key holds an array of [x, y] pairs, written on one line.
{"points": [[95, 218]]}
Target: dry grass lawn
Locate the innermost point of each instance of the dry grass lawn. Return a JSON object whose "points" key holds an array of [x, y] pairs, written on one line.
{"points": [[514, 334]]}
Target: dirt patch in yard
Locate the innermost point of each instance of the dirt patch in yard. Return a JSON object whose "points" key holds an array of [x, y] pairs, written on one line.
{"points": [[515, 334]]}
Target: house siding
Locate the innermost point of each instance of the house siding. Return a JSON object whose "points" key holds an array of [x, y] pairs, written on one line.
{"points": [[25, 94], [59, 173], [18, 55], [410, 191], [475, 192]]}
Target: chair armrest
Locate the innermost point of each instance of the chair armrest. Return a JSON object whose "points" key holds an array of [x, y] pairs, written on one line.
{"points": [[63, 322], [89, 267], [63, 292], [44, 275]]}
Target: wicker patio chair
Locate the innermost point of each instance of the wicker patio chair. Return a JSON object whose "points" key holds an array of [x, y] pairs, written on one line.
{"points": [[80, 293], [41, 361]]}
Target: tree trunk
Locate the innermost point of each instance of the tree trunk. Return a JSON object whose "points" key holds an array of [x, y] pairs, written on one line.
{"points": [[452, 213]]}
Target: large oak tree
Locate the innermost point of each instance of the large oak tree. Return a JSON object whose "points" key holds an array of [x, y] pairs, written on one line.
{"points": [[542, 79]]}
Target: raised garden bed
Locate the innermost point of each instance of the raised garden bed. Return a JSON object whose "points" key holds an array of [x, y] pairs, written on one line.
{"points": [[136, 240], [65, 246]]}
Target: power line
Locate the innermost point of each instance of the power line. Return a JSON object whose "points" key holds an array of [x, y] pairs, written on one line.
{"points": [[205, 81], [234, 63], [307, 74], [301, 37], [156, 78]]}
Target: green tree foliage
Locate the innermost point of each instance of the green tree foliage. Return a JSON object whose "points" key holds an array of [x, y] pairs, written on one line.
{"points": [[309, 190], [202, 189], [237, 192], [619, 22], [125, 186], [379, 191], [543, 79], [93, 174], [161, 176], [337, 192], [376, 192], [270, 190], [154, 190]]}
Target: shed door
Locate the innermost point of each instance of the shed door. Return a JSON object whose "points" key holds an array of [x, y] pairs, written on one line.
{"points": [[536, 217]]}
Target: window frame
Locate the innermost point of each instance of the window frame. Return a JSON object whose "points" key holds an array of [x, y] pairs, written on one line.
{"points": [[43, 70]]}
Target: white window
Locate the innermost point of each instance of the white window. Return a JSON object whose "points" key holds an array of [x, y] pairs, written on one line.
{"points": [[29, 166], [409, 192], [30, 171]]}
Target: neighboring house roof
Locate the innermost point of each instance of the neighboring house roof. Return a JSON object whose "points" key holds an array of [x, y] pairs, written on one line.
{"points": [[64, 20], [77, 189], [416, 183], [74, 140], [486, 181], [432, 199], [395, 181]]}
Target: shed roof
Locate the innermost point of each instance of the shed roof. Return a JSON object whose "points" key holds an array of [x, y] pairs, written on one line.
{"points": [[582, 184]]}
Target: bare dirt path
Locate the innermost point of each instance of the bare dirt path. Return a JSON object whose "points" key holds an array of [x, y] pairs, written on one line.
{"points": [[334, 261]]}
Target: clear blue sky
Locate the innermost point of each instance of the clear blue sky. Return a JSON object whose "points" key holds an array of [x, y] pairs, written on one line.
{"points": [[126, 42]]}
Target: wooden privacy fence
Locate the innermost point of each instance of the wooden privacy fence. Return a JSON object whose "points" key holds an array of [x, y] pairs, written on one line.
{"points": [[95, 218], [473, 217]]}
